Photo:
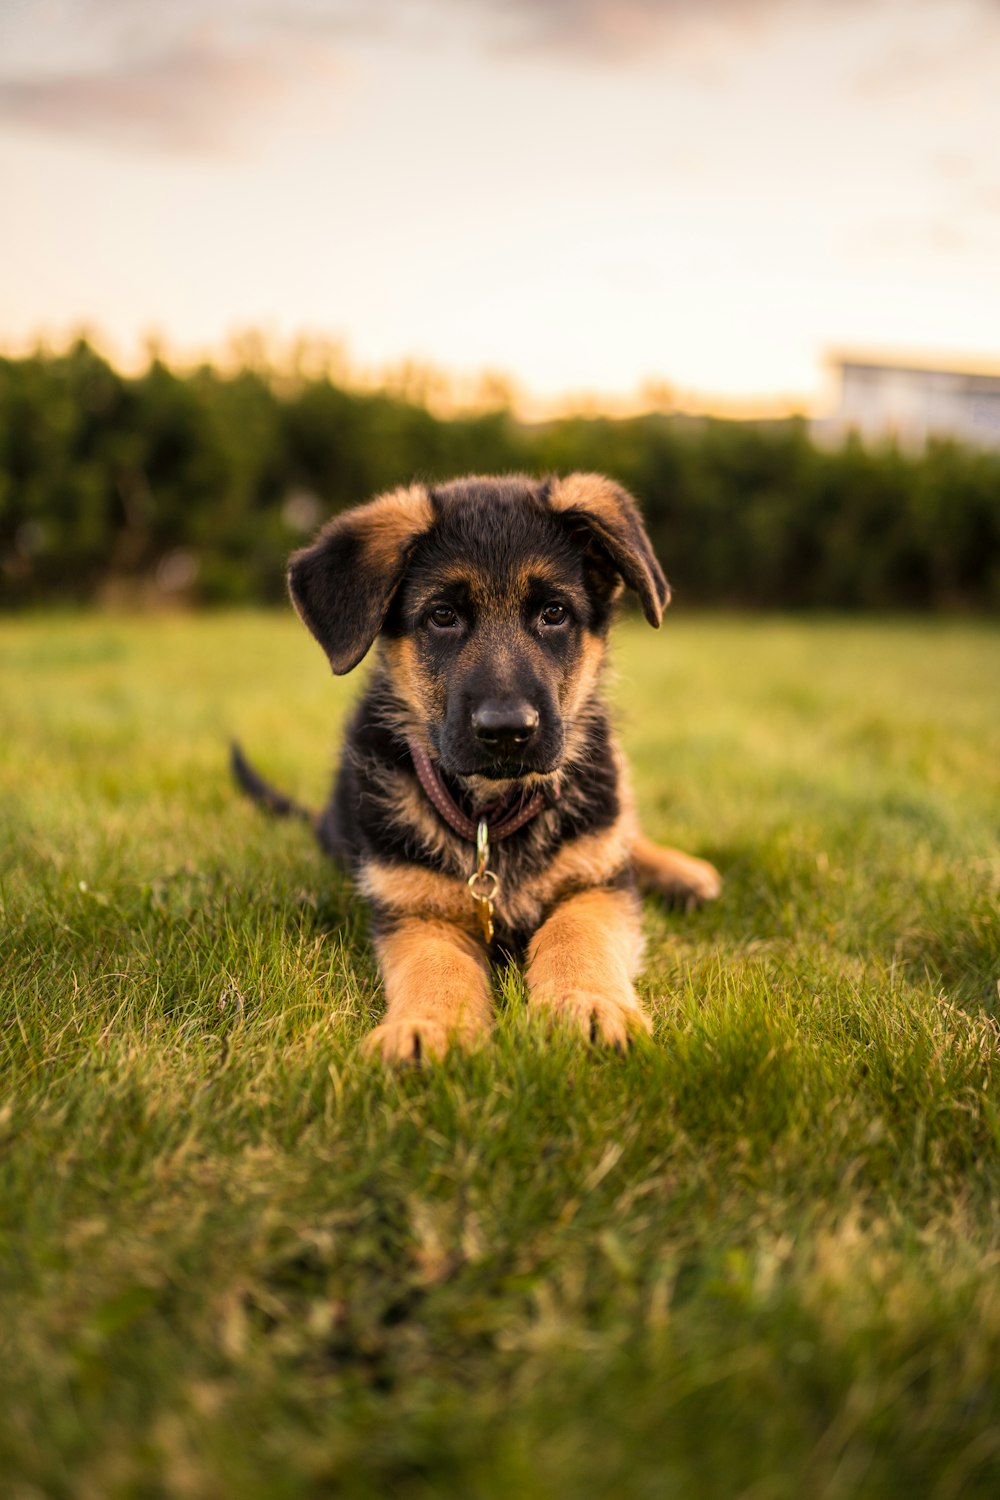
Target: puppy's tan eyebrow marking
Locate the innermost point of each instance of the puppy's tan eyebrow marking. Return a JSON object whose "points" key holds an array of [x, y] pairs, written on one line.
{"points": [[463, 574], [536, 585], [540, 574]]}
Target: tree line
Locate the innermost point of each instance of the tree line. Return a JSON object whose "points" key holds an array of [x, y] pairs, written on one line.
{"points": [[197, 485]]}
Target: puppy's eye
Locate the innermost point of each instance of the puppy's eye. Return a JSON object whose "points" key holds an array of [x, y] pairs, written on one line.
{"points": [[554, 614], [443, 617]]}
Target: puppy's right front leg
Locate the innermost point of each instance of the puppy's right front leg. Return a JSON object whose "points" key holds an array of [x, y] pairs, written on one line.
{"points": [[437, 991]]}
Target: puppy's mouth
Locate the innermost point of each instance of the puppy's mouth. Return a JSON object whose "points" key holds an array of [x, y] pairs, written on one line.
{"points": [[468, 763], [504, 770]]}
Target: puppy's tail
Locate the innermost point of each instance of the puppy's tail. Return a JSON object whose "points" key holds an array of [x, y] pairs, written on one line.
{"points": [[262, 792]]}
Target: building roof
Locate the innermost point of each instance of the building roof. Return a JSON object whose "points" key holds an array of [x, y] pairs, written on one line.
{"points": [[982, 378]]}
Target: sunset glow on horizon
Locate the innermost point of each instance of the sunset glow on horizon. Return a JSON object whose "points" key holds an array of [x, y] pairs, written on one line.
{"points": [[595, 200]]}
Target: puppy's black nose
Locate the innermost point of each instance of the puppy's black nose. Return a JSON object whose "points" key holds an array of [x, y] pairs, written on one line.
{"points": [[504, 727]]}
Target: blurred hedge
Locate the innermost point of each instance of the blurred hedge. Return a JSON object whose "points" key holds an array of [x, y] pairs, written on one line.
{"points": [[198, 485]]}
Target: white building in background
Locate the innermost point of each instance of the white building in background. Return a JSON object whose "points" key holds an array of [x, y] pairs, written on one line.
{"points": [[909, 404]]}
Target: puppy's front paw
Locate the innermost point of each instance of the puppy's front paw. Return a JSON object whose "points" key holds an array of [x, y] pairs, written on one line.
{"points": [[688, 882], [609, 1020], [414, 1040]]}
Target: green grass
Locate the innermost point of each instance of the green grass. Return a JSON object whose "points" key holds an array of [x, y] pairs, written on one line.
{"points": [[760, 1258]]}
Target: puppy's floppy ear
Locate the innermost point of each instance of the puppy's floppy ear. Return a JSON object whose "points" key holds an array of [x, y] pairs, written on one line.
{"points": [[613, 518], [343, 584]]}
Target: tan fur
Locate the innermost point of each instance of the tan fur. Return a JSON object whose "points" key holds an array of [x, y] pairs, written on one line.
{"points": [[581, 963], [422, 696], [480, 586], [407, 890], [538, 570], [591, 492], [392, 522], [437, 991], [581, 687], [680, 877]]}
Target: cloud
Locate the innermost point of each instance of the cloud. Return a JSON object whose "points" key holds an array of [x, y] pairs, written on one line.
{"points": [[617, 31], [192, 94], [195, 75]]}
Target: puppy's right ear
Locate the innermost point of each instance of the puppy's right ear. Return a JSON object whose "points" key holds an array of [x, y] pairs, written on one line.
{"points": [[343, 584]]}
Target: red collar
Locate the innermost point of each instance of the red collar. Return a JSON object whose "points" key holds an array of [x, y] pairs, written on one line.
{"points": [[502, 818]]}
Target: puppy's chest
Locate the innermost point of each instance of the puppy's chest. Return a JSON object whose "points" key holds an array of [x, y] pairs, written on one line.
{"points": [[419, 867]]}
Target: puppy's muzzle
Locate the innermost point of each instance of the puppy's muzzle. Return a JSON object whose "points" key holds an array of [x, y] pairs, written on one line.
{"points": [[505, 727]]}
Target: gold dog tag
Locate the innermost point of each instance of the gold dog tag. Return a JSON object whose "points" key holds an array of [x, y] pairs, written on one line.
{"points": [[484, 910], [483, 883]]}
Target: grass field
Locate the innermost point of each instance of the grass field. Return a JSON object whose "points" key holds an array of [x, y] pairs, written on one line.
{"points": [[760, 1258]]}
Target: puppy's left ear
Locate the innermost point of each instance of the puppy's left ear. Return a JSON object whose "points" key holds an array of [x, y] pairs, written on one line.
{"points": [[343, 584], [613, 518]]}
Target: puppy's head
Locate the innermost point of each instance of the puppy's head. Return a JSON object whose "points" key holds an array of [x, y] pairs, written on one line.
{"points": [[493, 599]]}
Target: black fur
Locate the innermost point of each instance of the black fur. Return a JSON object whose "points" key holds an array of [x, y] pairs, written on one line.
{"points": [[262, 792]]}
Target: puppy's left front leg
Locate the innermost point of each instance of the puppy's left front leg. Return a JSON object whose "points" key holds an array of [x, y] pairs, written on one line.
{"points": [[437, 990], [581, 963]]}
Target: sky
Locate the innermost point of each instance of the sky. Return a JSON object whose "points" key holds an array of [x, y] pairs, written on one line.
{"points": [[600, 200]]}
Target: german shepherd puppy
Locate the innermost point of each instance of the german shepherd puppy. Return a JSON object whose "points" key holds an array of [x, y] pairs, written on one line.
{"points": [[481, 802]]}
